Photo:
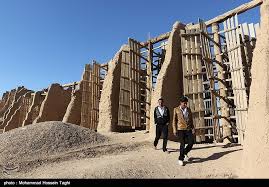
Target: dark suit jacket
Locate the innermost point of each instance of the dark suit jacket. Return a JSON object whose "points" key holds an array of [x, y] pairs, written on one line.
{"points": [[159, 119]]}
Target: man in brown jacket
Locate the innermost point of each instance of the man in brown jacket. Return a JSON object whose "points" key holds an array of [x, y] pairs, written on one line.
{"points": [[183, 128]]}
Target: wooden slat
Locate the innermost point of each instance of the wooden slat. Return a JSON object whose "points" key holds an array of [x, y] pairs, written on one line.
{"points": [[235, 75], [201, 107], [135, 83], [209, 69], [95, 97], [184, 62], [194, 82], [257, 29], [86, 96], [189, 70], [251, 30], [244, 31], [124, 113], [243, 103]]}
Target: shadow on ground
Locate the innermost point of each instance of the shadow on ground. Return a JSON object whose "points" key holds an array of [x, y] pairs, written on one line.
{"points": [[206, 147], [214, 156]]}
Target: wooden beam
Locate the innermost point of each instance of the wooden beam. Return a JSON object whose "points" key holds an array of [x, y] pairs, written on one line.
{"points": [[146, 51], [242, 8], [160, 37], [71, 84], [239, 10], [104, 65], [156, 39], [211, 39]]}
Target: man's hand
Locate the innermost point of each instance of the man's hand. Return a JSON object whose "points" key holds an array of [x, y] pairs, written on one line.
{"points": [[175, 133], [193, 131]]}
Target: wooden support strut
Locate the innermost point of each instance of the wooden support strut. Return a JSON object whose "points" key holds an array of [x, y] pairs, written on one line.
{"points": [[226, 100]]}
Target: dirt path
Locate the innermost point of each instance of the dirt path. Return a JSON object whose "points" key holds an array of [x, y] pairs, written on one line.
{"points": [[207, 161]]}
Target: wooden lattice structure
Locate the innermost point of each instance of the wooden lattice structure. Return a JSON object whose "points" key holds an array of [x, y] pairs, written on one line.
{"points": [[223, 74], [192, 81], [124, 112], [239, 47], [90, 86], [139, 66], [135, 86]]}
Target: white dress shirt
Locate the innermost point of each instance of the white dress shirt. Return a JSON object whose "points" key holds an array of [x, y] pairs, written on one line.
{"points": [[185, 113], [161, 110]]}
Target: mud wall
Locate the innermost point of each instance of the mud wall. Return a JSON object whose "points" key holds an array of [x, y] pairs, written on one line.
{"points": [[8, 103], [255, 161], [4, 100], [73, 111], [38, 98], [169, 84], [21, 109], [54, 105], [20, 91], [11, 111], [109, 101], [14, 120]]}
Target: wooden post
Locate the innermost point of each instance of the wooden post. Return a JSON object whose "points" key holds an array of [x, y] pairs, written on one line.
{"points": [[223, 104], [206, 54], [149, 84], [200, 98]]}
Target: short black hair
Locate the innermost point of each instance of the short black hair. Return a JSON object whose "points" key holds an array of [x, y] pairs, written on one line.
{"points": [[161, 99], [183, 99]]}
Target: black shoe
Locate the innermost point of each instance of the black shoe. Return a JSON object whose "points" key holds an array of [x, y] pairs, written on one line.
{"points": [[165, 151]]}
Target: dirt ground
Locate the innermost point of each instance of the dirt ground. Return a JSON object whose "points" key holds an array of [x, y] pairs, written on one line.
{"points": [[131, 155]]}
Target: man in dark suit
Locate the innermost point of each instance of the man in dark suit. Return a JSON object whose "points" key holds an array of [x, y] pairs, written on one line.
{"points": [[161, 120]]}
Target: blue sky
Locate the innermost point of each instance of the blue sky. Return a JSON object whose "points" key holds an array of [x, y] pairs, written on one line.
{"points": [[47, 41]]}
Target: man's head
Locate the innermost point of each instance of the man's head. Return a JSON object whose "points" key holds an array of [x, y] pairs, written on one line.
{"points": [[183, 102], [160, 101]]}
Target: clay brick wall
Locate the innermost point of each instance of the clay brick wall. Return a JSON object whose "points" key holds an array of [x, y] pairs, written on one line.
{"points": [[4, 100], [73, 111], [14, 98], [25, 106], [55, 104], [10, 99], [34, 109], [14, 120], [169, 84], [255, 159], [11, 111], [109, 102]]}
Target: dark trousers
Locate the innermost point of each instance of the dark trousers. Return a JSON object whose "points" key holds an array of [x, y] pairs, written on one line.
{"points": [[185, 137], [159, 130]]}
